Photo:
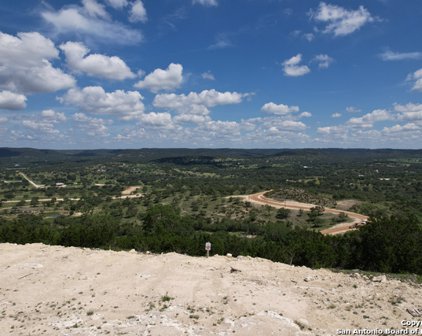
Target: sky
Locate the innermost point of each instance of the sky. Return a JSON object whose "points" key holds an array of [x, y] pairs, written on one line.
{"points": [[88, 74]]}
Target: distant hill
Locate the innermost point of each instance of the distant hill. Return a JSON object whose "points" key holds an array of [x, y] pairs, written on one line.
{"points": [[191, 156]]}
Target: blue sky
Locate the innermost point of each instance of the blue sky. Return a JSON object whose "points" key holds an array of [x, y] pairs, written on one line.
{"points": [[210, 73]]}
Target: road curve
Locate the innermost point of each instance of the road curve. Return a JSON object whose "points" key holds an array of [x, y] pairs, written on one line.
{"points": [[259, 198]]}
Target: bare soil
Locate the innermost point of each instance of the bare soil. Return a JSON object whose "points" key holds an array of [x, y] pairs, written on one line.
{"points": [[51, 290]]}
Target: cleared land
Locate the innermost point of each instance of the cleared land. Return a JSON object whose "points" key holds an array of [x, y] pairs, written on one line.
{"points": [[259, 198], [51, 290], [130, 190]]}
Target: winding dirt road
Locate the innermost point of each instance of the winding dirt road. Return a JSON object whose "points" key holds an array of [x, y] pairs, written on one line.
{"points": [[358, 219]]}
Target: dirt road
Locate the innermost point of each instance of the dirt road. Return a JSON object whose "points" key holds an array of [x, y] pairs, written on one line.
{"points": [[259, 198], [36, 186]]}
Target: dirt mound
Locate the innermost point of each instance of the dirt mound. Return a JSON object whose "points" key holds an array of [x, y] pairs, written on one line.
{"points": [[50, 290]]}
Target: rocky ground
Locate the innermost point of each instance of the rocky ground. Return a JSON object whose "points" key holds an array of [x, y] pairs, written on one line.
{"points": [[51, 290]]}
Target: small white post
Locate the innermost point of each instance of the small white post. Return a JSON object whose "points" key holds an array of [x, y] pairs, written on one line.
{"points": [[208, 248]]}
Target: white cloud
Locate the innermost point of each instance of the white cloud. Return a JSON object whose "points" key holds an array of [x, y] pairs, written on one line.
{"points": [[156, 119], [118, 4], [279, 109], [362, 131], [323, 60], [409, 111], [292, 67], [206, 98], [25, 64], [196, 104], [94, 99], [77, 20], [417, 77], [53, 116], [192, 118], [41, 126], [207, 3], [12, 101], [92, 126], [208, 76], [367, 120], [93, 8], [336, 115], [400, 56], [95, 64], [340, 21], [292, 125], [352, 109], [305, 115], [138, 12], [402, 128], [168, 79], [331, 130]]}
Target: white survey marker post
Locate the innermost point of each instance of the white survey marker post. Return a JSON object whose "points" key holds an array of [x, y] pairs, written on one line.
{"points": [[208, 248]]}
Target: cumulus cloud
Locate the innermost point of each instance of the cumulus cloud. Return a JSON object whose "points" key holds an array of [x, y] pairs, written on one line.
{"points": [[91, 126], [279, 109], [94, 99], [407, 128], [41, 126], [158, 80], [206, 3], [192, 118], [156, 119], [336, 115], [340, 21], [323, 60], [12, 101], [53, 115], [206, 98], [138, 12], [81, 21], [96, 65], [417, 77], [331, 130], [305, 115], [292, 67], [367, 120], [196, 104], [409, 111], [402, 128], [292, 124], [400, 56], [25, 64]]}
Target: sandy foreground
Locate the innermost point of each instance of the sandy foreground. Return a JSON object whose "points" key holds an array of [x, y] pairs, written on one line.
{"points": [[51, 290]]}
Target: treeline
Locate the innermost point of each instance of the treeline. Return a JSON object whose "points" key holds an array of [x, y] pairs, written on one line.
{"points": [[386, 244]]}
